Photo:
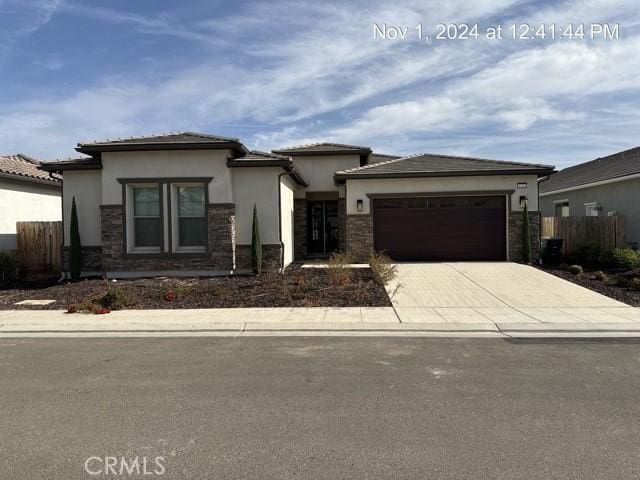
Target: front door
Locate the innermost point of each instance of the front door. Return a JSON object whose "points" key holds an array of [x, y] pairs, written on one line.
{"points": [[322, 225]]}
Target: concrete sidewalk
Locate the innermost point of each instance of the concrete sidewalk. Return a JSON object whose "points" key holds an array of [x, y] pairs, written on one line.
{"points": [[479, 321]]}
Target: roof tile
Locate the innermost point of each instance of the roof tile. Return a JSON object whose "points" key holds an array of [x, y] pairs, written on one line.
{"points": [[435, 164], [23, 166], [616, 165]]}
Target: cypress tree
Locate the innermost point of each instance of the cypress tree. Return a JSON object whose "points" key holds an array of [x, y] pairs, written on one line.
{"points": [[526, 236], [256, 244], [75, 263]]}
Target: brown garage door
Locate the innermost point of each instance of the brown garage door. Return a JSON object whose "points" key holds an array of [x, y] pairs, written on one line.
{"points": [[441, 228]]}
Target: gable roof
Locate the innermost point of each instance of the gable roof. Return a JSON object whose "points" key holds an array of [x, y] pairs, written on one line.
{"points": [[23, 167], [435, 165], [324, 148], [165, 141], [617, 165]]}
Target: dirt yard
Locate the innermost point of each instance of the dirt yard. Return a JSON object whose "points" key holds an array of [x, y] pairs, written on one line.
{"points": [[297, 287]]}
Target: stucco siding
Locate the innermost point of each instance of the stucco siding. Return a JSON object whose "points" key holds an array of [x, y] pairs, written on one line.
{"points": [[86, 187], [621, 197], [287, 189], [257, 186], [172, 164], [24, 202], [319, 170], [360, 189]]}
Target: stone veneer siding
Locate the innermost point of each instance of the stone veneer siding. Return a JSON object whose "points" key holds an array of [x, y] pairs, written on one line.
{"points": [[342, 224], [270, 256], [91, 258], [359, 236], [515, 235], [220, 249], [299, 228]]}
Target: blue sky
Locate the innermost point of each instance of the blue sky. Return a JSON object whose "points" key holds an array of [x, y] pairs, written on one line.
{"points": [[277, 73]]}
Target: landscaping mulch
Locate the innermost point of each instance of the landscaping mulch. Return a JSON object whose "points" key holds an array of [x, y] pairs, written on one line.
{"points": [[297, 287], [610, 287]]}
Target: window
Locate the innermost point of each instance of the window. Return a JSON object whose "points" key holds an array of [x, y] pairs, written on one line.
{"points": [[562, 209], [146, 217], [192, 222], [592, 209]]}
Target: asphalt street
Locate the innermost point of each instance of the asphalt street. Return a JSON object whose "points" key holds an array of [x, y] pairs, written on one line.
{"points": [[320, 408]]}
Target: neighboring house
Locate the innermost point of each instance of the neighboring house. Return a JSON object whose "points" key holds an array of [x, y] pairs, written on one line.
{"points": [[604, 186], [182, 204], [26, 194]]}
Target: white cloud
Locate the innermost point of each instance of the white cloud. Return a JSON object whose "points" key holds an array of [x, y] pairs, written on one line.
{"points": [[310, 71]]}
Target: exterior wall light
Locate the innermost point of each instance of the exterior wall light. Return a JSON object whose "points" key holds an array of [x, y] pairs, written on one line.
{"points": [[359, 205]]}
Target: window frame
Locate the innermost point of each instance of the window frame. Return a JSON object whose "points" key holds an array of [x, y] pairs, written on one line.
{"points": [[130, 232], [174, 212], [592, 206], [562, 204]]}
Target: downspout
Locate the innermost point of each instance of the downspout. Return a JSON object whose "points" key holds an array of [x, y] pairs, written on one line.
{"points": [[280, 219]]}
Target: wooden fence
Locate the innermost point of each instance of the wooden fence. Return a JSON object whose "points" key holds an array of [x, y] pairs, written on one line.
{"points": [[607, 232], [39, 246]]}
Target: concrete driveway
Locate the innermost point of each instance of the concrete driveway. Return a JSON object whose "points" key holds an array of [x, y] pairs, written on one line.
{"points": [[502, 295]]}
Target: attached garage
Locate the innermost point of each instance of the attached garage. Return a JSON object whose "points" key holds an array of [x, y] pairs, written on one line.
{"points": [[441, 228], [442, 208]]}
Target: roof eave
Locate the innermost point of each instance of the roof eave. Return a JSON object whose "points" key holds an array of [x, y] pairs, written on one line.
{"points": [[25, 178], [322, 153], [91, 149], [459, 173], [61, 166], [287, 165]]}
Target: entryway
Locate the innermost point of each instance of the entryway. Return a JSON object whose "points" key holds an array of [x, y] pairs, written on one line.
{"points": [[322, 227]]}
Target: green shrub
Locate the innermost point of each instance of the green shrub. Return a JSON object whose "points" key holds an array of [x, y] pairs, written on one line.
{"points": [[256, 244], [75, 262], [116, 298], [339, 268], [600, 275], [635, 283], [626, 258], [384, 271], [8, 266], [575, 269]]}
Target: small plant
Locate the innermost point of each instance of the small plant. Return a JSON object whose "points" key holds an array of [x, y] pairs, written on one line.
{"points": [[72, 308], [8, 266], [600, 276], [170, 296], [626, 258], [101, 311], [115, 299], [256, 244], [75, 261], [575, 269], [339, 268], [526, 235], [384, 271]]}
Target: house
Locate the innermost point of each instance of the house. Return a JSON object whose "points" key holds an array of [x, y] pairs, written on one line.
{"points": [[26, 194], [182, 204], [604, 186]]}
